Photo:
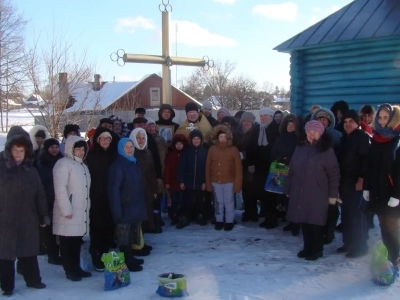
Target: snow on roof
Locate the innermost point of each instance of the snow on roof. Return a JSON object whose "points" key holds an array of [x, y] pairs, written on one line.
{"points": [[88, 99]]}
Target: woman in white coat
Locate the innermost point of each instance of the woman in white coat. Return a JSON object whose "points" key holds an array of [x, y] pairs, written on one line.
{"points": [[71, 208]]}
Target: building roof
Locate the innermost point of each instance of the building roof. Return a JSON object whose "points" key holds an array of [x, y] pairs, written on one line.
{"points": [[361, 19], [88, 99]]}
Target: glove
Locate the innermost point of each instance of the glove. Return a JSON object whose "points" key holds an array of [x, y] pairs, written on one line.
{"points": [[366, 195], [393, 202]]}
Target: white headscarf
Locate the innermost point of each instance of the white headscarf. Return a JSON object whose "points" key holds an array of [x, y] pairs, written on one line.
{"points": [[133, 135], [262, 136]]}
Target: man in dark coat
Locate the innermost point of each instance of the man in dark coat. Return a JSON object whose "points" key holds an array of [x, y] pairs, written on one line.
{"points": [[353, 163], [206, 109], [23, 209], [165, 116], [50, 154], [99, 160]]}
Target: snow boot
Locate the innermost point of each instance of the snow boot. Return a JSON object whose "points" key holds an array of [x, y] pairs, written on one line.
{"points": [[130, 262], [54, 260], [271, 221], [147, 248], [314, 255], [295, 229], [7, 293], [288, 227], [219, 226], [97, 263], [341, 249], [228, 226], [38, 286], [140, 252], [200, 220], [157, 221]]}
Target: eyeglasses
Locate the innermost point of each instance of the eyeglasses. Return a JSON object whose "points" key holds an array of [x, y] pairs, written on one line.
{"points": [[108, 139]]}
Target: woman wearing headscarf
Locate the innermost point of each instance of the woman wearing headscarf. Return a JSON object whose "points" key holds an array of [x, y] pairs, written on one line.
{"points": [[312, 185], [127, 201], [145, 162], [382, 182], [99, 160], [23, 209]]}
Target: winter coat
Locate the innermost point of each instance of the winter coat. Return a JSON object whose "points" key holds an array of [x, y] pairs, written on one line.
{"points": [[213, 122], [162, 149], [201, 124], [192, 166], [336, 135], [223, 164], [314, 177], [382, 178], [126, 192], [45, 167], [171, 166], [72, 187], [23, 205], [287, 141], [259, 156], [99, 162], [245, 139], [353, 158], [152, 146], [161, 121]]}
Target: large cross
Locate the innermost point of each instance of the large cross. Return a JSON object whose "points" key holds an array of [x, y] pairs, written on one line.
{"points": [[165, 59]]}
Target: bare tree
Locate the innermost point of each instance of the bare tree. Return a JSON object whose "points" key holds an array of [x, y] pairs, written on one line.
{"points": [[12, 26], [242, 94], [212, 83], [43, 66]]}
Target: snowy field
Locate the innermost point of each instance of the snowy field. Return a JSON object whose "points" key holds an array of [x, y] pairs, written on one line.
{"points": [[244, 264]]}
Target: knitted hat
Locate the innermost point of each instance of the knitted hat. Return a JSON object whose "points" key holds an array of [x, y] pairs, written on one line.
{"points": [[140, 110], [314, 125], [50, 142], [224, 110], [80, 144], [104, 134], [207, 104], [323, 114], [106, 120], [195, 133], [150, 121], [248, 116], [352, 114], [266, 111], [91, 132], [71, 128], [190, 106], [40, 134]]}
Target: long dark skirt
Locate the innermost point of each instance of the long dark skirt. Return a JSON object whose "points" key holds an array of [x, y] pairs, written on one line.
{"points": [[128, 234]]}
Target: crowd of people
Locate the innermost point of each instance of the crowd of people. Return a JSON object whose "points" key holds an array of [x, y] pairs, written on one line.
{"points": [[113, 185]]}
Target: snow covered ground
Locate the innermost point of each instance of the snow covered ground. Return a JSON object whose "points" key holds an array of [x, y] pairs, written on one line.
{"points": [[244, 264]]}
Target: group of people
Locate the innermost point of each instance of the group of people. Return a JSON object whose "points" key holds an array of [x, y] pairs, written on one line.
{"points": [[111, 187]]}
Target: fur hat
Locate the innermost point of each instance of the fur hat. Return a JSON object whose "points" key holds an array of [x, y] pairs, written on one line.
{"points": [[71, 128], [314, 125], [248, 116], [50, 142], [16, 130], [107, 121], [207, 104], [323, 114], [352, 114], [191, 106]]}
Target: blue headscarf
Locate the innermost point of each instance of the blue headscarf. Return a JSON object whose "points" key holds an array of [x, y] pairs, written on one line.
{"points": [[121, 151]]}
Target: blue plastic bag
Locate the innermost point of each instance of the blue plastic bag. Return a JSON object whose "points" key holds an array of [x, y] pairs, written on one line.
{"points": [[116, 273]]}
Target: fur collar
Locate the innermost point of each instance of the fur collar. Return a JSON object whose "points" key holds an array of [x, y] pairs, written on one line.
{"points": [[224, 129], [29, 155]]}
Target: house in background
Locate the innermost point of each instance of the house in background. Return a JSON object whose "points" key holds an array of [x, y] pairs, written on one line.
{"points": [[352, 55], [107, 97]]}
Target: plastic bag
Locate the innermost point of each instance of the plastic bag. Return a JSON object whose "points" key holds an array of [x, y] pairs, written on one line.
{"points": [[116, 273], [383, 272], [172, 285], [278, 173]]}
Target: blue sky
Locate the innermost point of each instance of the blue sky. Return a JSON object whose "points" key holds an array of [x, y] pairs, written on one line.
{"points": [[242, 31]]}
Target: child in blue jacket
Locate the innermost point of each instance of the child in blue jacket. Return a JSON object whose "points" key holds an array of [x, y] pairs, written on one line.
{"points": [[192, 179]]}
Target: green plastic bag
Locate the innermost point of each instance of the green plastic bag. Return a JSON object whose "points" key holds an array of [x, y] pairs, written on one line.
{"points": [[116, 273], [276, 179], [382, 270], [172, 285]]}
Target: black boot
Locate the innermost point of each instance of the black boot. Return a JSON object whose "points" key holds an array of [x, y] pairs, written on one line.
{"points": [[201, 221], [228, 226], [130, 263], [288, 227], [272, 221], [219, 226], [96, 261], [54, 260], [295, 229]]}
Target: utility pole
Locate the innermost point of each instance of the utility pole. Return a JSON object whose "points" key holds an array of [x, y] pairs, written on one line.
{"points": [[176, 54]]}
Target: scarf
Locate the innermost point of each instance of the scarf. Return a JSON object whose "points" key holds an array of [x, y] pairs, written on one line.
{"points": [[262, 135], [121, 151]]}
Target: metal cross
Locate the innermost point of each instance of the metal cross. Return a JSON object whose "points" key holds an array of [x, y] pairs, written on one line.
{"points": [[120, 57]]}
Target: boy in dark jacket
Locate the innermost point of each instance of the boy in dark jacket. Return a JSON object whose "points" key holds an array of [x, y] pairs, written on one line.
{"points": [[171, 175], [192, 179]]}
